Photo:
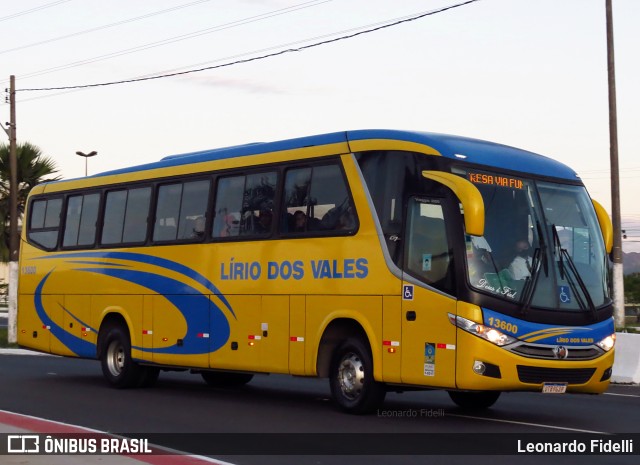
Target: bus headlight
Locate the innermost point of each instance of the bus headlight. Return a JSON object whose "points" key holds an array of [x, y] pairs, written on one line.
{"points": [[607, 343], [485, 332]]}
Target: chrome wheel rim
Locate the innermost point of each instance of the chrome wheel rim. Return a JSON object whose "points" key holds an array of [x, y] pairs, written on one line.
{"points": [[351, 376], [115, 358]]}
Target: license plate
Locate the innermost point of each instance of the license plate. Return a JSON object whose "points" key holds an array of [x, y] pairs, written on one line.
{"points": [[554, 388]]}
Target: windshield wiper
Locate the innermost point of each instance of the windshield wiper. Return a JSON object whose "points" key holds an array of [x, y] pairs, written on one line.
{"points": [[540, 256], [531, 281], [557, 247], [571, 266], [543, 249]]}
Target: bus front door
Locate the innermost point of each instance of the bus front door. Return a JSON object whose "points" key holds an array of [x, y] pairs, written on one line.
{"points": [[428, 337]]}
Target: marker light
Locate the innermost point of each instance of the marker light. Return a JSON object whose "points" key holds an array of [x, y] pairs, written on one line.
{"points": [[608, 342], [485, 332], [478, 367]]}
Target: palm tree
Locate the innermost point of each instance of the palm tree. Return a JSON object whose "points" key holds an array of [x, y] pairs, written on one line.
{"points": [[33, 168]]}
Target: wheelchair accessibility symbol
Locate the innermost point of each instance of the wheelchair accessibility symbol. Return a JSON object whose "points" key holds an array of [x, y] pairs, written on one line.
{"points": [[407, 292], [565, 294]]}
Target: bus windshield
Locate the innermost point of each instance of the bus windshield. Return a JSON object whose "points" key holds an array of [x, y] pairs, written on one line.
{"points": [[542, 245]]}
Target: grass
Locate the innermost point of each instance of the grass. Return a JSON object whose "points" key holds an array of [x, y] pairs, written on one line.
{"points": [[3, 339]]}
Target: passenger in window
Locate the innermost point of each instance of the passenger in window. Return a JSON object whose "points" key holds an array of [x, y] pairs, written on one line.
{"points": [[520, 267], [231, 225], [198, 228], [264, 222], [299, 221], [346, 222]]}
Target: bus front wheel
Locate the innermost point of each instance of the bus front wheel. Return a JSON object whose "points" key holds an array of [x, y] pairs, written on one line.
{"points": [[351, 379], [117, 365], [474, 400]]}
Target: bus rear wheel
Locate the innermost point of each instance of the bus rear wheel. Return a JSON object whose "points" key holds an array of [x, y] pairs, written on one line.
{"points": [[351, 379], [120, 370], [474, 400]]}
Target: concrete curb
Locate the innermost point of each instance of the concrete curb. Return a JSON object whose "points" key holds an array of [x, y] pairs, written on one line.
{"points": [[23, 352]]}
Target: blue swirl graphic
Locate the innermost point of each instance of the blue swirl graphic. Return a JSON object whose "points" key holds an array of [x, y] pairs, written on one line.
{"points": [[75, 344], [197, 309], [194, 306], [151, 260]]}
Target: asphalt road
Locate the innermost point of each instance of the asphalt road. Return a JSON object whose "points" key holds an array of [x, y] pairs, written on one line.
{"points": [[73, 391]]}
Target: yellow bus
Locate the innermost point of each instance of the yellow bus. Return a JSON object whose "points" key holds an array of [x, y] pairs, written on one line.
{"points": [[379, 259]]}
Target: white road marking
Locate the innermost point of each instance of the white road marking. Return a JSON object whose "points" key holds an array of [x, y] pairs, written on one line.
{"points": [[621, 395], [537, 425]]}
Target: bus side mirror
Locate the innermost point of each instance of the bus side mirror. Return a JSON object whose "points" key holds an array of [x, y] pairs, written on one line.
{"points": [[469, 196], [605, 225]]}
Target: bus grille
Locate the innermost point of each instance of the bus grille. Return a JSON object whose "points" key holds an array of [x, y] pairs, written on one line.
{"points": [[537, 375], [546, 352]]}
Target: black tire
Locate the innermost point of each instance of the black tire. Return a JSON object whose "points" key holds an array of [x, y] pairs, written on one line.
{"points": [[148, 377], [351, 379], [225, 379], [117, 365], [474, 400]]}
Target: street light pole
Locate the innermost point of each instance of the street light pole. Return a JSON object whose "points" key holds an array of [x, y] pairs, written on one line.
{"points": [[86, 155]]}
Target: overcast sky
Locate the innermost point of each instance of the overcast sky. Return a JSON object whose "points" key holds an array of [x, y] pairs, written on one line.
{"points": [[527, 73]]}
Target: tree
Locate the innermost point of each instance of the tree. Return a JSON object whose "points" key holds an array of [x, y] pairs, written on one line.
{"points": [[33, 168], [632, 288]]}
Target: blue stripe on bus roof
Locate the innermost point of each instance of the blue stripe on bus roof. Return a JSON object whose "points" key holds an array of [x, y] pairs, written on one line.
{"points": [[475, 151], [234, 152]]}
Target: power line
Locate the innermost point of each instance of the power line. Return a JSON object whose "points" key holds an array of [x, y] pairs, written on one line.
{"points": [[105, 26], [209, 30], [289, 44], [33, 10], [261, 57], [253, 52]]}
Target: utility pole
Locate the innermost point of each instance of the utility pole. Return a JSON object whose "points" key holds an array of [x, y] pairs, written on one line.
{"points": [[13, 213], [618, 272]]}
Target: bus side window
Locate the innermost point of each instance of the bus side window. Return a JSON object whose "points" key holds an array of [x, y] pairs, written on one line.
{"points": [[195, 197], [136, 215], [257, 205], [167, 212], [244, 205], [329, 190], [226, 222], [296, 195], [317, 199], [45, 222], [125, 216], [179, 205], [81, 218]]}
